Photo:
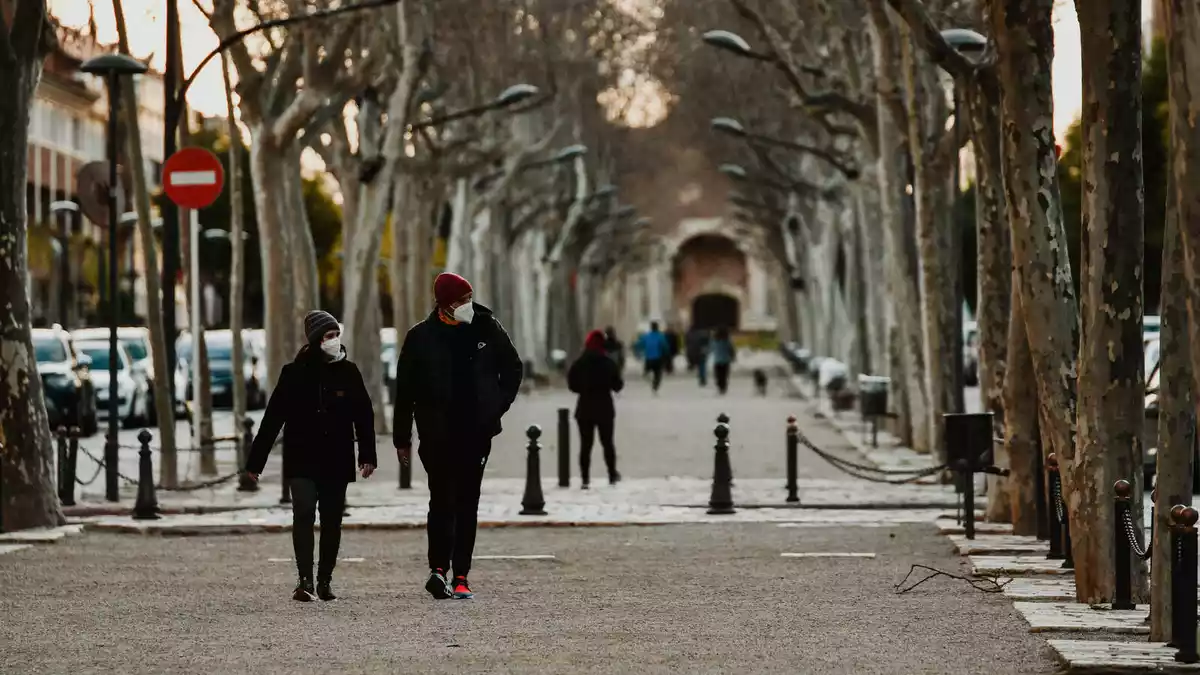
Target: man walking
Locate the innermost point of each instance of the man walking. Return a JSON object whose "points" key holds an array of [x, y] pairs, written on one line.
{"points": [[457, 374], [655, 351]]}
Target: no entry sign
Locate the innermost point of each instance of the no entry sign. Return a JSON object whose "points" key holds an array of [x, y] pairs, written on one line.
{"points": [[193, 178]]}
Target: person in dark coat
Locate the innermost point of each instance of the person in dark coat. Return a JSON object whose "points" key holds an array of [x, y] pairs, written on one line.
{"points": [[672, 349], [457, 375], [595, 377], [323, 407], [614, 348]]}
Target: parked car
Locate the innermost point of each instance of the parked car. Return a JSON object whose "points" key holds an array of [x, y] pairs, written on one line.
{"points": [[67, 386], [1150, 428], [131, 403], [137, 341], [221, 370]]}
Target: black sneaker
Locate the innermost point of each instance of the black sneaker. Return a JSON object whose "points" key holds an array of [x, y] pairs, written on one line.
{"points": [[614, 478], [437, 585], [324, 592], [304, 590]]}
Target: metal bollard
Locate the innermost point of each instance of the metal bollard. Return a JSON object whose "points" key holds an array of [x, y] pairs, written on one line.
{"points": [[564, 447], [724, 419], [244, 482], [1122, 552], [1039, 496], [793, 444], [60, 436], [1055, 507], [1183, 583], [721, 500], [72, 463], [146, 506], [1068, 555], [1, 487], [533, 503]]}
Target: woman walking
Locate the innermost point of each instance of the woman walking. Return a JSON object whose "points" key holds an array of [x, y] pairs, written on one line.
{"points": [[594, 377], [723, 355], [322, 406]]}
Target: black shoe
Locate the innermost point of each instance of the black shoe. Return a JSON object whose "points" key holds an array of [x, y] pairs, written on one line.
{"points": [[304, 590], [324, 592], [437, 585], [614, 478]]}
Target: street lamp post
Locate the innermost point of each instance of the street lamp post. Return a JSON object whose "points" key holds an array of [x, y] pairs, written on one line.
{"points": [[112, 67], [64, 261]]}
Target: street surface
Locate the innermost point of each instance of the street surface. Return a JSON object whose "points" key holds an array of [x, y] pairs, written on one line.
{"points": [[691, 598]]}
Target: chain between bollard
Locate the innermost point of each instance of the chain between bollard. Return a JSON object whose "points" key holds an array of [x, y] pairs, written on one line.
{"points": [[101, 466], [857, 470]]}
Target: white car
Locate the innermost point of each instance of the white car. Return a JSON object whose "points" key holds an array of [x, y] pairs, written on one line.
{"points": [[131, 403], [137, 341]]}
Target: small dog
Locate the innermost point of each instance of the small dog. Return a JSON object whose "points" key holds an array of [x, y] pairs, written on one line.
{"points": [[760, 381]]}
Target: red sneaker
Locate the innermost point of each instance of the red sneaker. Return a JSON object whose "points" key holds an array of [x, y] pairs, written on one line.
{"points": [[462, 589]]}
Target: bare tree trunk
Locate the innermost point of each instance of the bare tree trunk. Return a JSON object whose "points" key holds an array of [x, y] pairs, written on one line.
{"points": [[26, 454], [275, 251], [1178, 355], [907, 379], [1176, 418], [164, 405], [306, 290], [1111, 380], [237, 265], [1022, 438]]}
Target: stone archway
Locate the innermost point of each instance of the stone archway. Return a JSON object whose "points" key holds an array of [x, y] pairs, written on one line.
{"points": [[710, 275]]}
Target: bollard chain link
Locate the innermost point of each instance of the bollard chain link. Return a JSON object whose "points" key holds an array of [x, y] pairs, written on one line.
{"points": [[858, 470], [1134, 540], [100, 466]]}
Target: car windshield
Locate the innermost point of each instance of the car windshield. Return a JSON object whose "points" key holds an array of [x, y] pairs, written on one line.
{"points": [[219, 349], [137, 348], [99, 356], [49, 350]]}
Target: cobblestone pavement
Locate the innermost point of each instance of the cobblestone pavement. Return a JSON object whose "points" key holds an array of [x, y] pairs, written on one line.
{"points": [[711, 599]]}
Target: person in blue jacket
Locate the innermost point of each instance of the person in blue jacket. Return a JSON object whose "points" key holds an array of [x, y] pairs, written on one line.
{"points": [[655, 352]]}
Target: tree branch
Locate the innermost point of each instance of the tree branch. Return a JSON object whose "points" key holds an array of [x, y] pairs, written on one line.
{"points": [[930, 38]]}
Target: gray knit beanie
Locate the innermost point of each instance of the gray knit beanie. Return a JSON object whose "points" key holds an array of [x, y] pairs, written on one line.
{"points": [[316, 324]]}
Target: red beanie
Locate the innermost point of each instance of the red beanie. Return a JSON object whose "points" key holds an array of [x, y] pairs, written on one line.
{"points": [[594, 341], [449, 288]]}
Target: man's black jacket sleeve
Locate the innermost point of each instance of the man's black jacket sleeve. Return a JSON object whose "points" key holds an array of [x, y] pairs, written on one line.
{"points": [[272, 422], [511, 370], [402, 420], [364, 421]]}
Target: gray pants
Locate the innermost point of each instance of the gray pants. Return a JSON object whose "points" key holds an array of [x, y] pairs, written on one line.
{"points": [[308, 496]]}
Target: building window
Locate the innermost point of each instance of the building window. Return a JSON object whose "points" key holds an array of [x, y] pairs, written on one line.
{"points": [[76, 134]]}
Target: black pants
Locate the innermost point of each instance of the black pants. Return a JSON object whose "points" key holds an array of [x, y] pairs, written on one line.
{"points": [[587, 436], [455, 473], [669, 364], [655, 366], [721, 370], [308, 496]]}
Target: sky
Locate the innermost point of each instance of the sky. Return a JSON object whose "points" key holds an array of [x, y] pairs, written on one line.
{"points": [[145, 20]]}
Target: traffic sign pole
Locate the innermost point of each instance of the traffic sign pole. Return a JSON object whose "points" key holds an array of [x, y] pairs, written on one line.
{"points": [[194, 311]]}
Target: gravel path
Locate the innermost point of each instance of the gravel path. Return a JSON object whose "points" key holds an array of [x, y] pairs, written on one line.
{"points": [[706, 598]]}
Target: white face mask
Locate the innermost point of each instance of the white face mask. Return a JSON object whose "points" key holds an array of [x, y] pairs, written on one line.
{"points": [[332, 346], [464, 313]]}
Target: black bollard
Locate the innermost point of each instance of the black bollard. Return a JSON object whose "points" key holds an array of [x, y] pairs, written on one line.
{"points": [[533, 503], [244, 482], [1055, 508], [564, 447], [72, 463], [1, 487], [1122, 551], [793, 444], [724, 419], [146, 506], [1068, 556], [1183, 583], [1039, 496], [721, 500], [60, 436]]}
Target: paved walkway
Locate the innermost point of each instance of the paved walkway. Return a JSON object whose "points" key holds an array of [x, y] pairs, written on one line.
{"points": [[672, 599]]}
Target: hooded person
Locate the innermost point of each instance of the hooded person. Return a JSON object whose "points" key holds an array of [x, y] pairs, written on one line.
{"points": [[458, 373], [323, 408], [595, 377]]}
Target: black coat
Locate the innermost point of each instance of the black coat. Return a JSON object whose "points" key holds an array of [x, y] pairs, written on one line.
{"points": [[322, 407], [594, 377], [425, 380]]}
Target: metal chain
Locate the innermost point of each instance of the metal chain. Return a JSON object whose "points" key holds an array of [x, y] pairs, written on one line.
{"points": [[858, 470], [100, 466], [1134, 543]]}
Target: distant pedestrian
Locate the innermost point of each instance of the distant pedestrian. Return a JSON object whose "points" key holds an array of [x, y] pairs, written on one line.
{"points": [[594, 377], [322, 406], [697, 353], [672, 349], [457, 375], [654, 350], [723, 355], [614, 348]]}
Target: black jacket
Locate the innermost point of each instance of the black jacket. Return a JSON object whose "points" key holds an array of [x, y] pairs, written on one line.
{"points": [[322, 407], [594, 376], [425, 380]]}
